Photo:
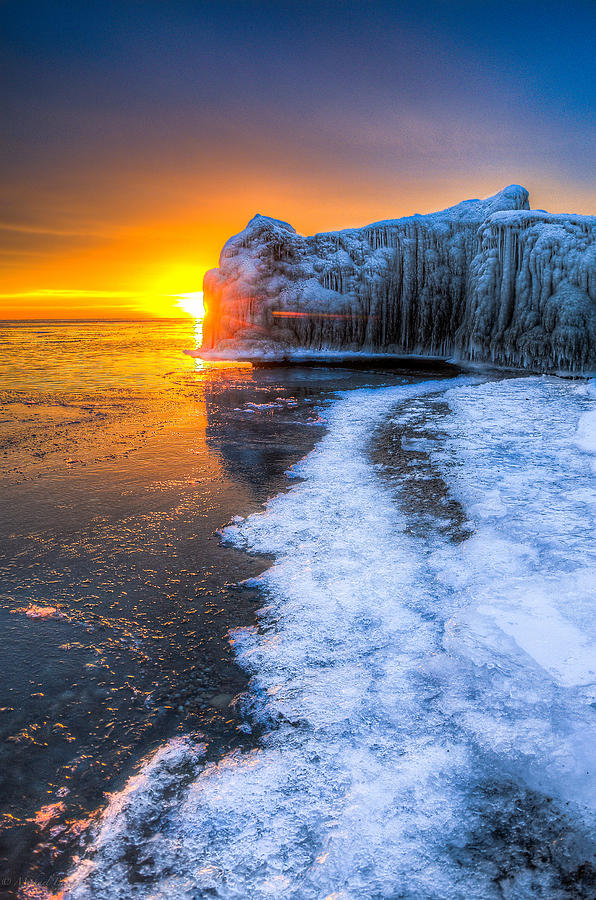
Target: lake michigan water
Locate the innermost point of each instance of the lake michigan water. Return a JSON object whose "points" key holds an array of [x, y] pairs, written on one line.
{"points": [[120, 458]]}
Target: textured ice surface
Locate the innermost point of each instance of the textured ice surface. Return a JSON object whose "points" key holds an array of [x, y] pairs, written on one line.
{"points": [[526, 578], [519, 459], [486, 280], [429, 732]]}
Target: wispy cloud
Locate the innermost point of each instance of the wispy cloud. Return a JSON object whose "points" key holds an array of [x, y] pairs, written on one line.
{"points": [[18, 228], [71, 292]]}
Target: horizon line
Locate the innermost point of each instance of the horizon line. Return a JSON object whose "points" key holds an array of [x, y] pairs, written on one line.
{"points": [[104, 319]]}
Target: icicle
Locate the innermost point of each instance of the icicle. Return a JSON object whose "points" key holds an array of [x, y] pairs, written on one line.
{"points": [[486, 279]]}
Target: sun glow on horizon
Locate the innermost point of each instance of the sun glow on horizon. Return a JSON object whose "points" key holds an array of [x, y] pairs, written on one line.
{"points": [[191, 303], [66, 303]]}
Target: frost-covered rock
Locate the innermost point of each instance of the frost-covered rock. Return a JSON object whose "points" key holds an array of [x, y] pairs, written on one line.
{"points": [[487, 280]]}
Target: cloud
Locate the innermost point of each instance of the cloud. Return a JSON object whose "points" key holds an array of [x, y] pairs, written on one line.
{"points": [[72, 292], [43, 229]]}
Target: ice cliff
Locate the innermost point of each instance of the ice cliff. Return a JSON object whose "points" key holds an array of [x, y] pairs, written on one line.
{"points": [[486, 280]]}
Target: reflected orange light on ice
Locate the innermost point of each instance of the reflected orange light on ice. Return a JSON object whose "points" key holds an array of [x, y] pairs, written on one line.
{"points": [[288, 314], [47, 813]]}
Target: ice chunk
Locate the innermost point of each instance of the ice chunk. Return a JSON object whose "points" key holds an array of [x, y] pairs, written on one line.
{"points": [[486, 280]]}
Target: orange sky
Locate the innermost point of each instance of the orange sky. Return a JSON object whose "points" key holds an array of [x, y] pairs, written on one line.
{"points": [[135, 261], [128, 265]]}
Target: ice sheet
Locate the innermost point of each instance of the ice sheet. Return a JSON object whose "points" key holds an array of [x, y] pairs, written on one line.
{"points": [[429, 732]]}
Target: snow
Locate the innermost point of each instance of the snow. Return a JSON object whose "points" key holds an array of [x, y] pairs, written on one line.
{"points": [[526, 466], [427, 703], [486, 280], [585, 437]]}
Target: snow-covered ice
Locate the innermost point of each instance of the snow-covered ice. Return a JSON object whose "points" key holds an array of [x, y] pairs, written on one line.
{"points": [[428, 703], [486, 280]]}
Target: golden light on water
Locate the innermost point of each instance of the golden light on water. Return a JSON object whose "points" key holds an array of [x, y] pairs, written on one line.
{"points": [[192, 303]]}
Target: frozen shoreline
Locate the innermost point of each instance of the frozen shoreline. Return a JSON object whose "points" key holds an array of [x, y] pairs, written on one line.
{"points": [[362, 359], [356, 359], [413, 712]]}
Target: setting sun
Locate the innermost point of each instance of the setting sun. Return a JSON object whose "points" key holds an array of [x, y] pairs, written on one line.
{"points": [[192, 303]]}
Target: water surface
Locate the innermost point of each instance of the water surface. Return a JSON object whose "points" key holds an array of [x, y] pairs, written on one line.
{"points": [[120, 459]]}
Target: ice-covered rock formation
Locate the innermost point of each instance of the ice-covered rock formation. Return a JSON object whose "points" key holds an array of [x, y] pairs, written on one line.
{"points": [[487, 280]]}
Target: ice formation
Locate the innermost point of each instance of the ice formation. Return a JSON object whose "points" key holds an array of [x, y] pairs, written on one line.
{"points": [[430, 703], [486, 280]]}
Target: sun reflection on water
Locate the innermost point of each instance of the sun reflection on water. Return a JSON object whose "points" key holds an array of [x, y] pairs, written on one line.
{"points": [[198, 339], [192, 303]]}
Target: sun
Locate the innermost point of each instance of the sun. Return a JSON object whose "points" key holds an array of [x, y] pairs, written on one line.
{"points": [[170, 289], [192, 303]]}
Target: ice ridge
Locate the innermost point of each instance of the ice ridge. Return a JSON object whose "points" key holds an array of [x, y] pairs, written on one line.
{"points": [[486, 280]]}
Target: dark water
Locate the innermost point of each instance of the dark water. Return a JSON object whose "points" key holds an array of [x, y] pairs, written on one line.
{"points": [[120, 458]]}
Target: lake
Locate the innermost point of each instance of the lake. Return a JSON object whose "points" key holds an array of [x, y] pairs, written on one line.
{"points": [[120, 458]]}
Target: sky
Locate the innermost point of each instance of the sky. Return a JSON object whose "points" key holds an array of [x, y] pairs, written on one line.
{"points": [[138, 136]]}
